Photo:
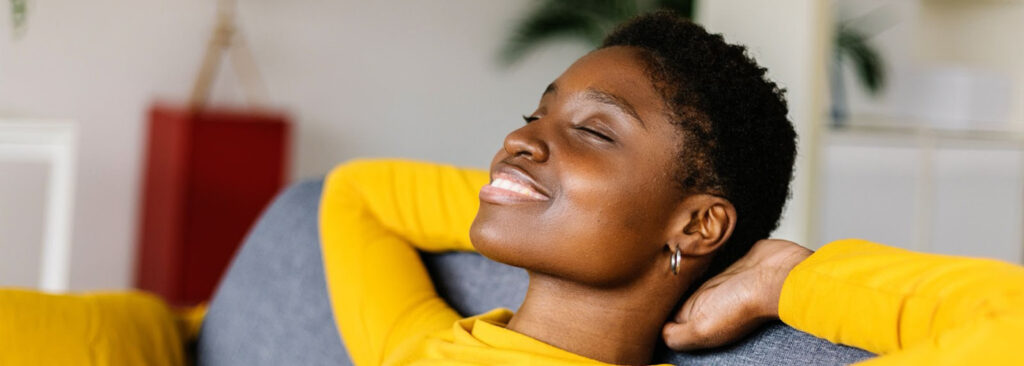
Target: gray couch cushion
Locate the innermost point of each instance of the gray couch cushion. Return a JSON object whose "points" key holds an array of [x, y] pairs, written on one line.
{"points": [[271, 308]]}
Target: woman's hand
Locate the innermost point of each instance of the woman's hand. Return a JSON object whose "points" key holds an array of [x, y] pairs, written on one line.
{"points": [[738, 300]]}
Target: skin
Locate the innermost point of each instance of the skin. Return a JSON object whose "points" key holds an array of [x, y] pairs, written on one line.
{"points": [[737, 301], [597, 237]]}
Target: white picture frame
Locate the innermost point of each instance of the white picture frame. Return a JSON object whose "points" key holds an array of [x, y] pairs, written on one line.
{"points": [[52, 142]]}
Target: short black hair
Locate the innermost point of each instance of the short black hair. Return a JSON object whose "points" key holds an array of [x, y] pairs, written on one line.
{"points": [[737, 141]]}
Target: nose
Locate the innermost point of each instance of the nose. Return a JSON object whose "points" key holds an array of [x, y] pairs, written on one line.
{"points": [[526, 142]]}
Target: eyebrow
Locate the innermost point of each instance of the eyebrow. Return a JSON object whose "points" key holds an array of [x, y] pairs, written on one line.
{"points": [[614, 101], [604, 97], [550, 89]]}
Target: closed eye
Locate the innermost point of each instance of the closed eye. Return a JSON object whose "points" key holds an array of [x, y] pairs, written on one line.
{"points": [[529, 119], [595, 133]]}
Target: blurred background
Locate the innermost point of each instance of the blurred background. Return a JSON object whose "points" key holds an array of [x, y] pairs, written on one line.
{"points": [[910, 112]]}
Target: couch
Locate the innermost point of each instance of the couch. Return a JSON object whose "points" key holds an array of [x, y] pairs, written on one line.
{"points": [[272, 308]]}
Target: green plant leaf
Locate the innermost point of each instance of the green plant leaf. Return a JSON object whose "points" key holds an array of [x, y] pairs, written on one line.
{"points": [[536, 30], [578, 20], [868, 66], [19, 9]]}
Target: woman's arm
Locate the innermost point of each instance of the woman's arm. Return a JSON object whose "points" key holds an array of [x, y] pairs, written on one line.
{"points": [[373, 217], [912, 308]]}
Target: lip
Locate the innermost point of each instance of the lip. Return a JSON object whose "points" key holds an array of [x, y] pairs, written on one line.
{"points": [[495, 195]]}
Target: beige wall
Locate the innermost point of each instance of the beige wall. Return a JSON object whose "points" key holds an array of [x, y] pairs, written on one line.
{"points": [[985, 35], [921, 36], [382, 78], [361, 78]]}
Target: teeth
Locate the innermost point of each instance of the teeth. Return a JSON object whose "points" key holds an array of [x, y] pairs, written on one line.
{"points": [[509, 185]]}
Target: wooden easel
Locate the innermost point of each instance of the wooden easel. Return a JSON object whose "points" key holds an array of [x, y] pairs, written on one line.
{"points": [[227, 37]]}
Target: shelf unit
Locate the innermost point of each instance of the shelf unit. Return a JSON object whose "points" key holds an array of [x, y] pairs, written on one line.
{"points": [[943, 184]]}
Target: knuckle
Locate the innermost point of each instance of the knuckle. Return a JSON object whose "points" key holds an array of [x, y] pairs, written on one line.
{"points": [[677, 337], [703, 333]]}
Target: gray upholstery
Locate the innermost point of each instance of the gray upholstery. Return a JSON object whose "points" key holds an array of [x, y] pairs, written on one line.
{"points": [[272, 308]]}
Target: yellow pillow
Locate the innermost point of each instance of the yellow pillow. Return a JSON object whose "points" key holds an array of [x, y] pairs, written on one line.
{"points": [[122, 328]]}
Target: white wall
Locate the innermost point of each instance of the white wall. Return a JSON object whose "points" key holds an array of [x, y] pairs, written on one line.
{"points": [[23, 188], [382, 78]]}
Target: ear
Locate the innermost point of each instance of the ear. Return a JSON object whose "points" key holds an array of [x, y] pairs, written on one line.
{"points": [[702, 224]]}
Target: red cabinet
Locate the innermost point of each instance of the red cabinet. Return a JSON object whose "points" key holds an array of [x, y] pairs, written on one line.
{"points": [[208, 175]]}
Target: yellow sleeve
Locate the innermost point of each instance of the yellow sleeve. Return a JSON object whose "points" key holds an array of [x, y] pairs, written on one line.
{"points": [[374, 214], [912, 308]]}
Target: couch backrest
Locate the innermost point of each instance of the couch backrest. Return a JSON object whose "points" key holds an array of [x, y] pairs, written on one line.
{"points": [[272, 308]]}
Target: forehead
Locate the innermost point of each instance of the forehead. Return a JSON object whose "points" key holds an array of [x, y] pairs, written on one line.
{"points": [[620, 71], [617, 63]]}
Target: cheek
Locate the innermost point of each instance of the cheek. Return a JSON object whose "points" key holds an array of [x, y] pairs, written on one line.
{"points": [[604, 226], [613, 236], [514, 236], [590, 234]]}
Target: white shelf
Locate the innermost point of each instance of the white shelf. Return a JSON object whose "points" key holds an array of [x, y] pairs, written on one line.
{"points": [[926, 188], [899, 127]]}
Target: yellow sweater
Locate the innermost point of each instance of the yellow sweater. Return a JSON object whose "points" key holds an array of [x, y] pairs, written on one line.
{"points": [[912, 308]]}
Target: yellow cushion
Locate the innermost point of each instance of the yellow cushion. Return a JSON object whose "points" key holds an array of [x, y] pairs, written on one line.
{"points": [[123, 328]]}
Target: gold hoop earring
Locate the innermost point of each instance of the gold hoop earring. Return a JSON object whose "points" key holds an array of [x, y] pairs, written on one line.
{"points": [[677, 257]]}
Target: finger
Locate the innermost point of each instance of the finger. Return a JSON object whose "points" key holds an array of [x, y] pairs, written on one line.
{"points": [[694, 336], [685, 337]]}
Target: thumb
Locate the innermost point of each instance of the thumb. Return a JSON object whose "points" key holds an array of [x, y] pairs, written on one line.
{"points": [[686, 336]]}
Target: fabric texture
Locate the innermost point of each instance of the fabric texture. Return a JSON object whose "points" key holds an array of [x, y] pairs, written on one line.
{"points": [[916, 308], [271, 307], [373, 218], [95, 329]]}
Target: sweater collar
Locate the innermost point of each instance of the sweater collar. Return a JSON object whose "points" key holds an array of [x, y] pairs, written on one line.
{"points": [[490, 330]]}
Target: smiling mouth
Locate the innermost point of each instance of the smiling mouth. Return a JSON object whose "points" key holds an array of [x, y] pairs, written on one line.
{"points": [[506, 188]]}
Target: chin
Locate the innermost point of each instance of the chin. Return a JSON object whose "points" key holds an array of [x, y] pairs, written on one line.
{"points": [[491, 241], [499, 241], [549, 248]]}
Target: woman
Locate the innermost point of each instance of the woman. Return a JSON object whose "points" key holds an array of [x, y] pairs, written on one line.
{"points": [[652, 163]]}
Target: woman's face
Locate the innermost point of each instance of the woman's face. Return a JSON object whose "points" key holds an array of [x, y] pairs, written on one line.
{"points": [[585, 190]]}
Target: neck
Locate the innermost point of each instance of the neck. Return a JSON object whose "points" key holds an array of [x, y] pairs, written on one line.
{"points": [[619, 325]]}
